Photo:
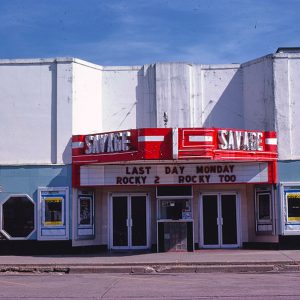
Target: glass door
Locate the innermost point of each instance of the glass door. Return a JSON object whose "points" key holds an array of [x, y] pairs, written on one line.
{"points": [[129, 221], [139, 221], [120, 221], [210, 221], [229, 220], [218, 220]]}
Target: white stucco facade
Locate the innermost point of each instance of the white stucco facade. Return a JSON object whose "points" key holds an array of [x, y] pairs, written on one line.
{"points": [[69, 96]]}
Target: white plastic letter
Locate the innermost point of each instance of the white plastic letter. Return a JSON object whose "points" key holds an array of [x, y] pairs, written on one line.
{"points": [[222, 139]]}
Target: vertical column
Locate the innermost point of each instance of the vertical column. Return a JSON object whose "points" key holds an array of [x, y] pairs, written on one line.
{"points": [[64, 112], [173, 94], [282, 107]]}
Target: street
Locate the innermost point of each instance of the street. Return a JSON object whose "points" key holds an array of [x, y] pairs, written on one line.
{"points": [[151, 286]]}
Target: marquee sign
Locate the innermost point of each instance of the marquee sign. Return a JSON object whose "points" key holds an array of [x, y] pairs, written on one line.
{"points": [[155, 144], [174, 174], [107, 142]]}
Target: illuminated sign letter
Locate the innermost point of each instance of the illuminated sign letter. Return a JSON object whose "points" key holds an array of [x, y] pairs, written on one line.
{"points": [[222, 139]]}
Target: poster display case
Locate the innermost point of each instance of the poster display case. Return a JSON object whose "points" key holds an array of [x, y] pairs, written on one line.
{"points": [[85, 215], [290, 208], [53, 213]]}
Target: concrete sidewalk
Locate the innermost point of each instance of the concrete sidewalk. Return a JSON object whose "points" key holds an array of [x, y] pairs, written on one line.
{"points": [[199, 261]]}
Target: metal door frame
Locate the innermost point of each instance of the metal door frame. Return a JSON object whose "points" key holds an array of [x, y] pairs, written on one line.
{"points": [[219, 220], [129, 221]]}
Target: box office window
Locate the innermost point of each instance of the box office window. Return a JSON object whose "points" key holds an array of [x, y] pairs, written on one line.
{"points": [[174, 202], [175, 209]]}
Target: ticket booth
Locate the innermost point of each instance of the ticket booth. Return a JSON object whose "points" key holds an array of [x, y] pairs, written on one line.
{"points": [[174, 218]]}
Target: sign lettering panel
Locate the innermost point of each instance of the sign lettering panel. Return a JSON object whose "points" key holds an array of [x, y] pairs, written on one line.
{"points": [[173, 174]]}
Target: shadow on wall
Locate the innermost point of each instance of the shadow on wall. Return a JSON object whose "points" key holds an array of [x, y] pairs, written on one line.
{"points": [[227, 110], [146, 98], [55, 151], [67, 153], [223, 100], [247, 102], [26, 179], [53, 70]]}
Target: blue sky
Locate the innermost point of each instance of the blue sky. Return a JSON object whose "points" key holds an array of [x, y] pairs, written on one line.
{"points": [[137, 32]]}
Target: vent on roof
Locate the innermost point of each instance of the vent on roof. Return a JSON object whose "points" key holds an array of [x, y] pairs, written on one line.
{"points": [[288, 50]]}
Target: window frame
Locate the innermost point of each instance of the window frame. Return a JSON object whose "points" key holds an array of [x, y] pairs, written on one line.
{"points": [[287, 228], [264, 221], [5, 233], [170, 199], [90, 197], [265, 226], [53, 231], [286, 193], [59, 223]]}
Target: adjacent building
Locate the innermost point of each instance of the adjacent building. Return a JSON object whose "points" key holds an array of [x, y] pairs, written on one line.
{"points": [[161, 157]]}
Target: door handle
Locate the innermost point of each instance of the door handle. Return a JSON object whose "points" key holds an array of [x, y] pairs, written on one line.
{"points": [[220, 221], [129, 223]]}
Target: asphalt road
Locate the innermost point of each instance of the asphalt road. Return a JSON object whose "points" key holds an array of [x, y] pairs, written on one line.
{"points": [[248, 286]]}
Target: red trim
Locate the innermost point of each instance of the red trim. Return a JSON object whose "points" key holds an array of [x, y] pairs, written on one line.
{"points": [[193, 143], [183, 184], [75, 175], [271, 141], [155, 143], [272, 169]]}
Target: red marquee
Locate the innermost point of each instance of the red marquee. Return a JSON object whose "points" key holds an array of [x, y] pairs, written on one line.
{"points": [[167, 144]]}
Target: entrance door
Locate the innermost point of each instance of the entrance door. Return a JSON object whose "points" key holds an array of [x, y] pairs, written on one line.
{"points": [[218, 215], [129, 221]]}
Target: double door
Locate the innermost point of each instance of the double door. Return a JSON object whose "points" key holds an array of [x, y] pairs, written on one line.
{"points": [[219, 220], [129, 215]]}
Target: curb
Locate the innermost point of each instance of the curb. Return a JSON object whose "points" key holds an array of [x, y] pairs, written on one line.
{"points": [[182, 269], [149, 268]]}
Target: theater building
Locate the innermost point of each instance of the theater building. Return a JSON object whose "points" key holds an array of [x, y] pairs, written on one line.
{"points": [[161, 157]]}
